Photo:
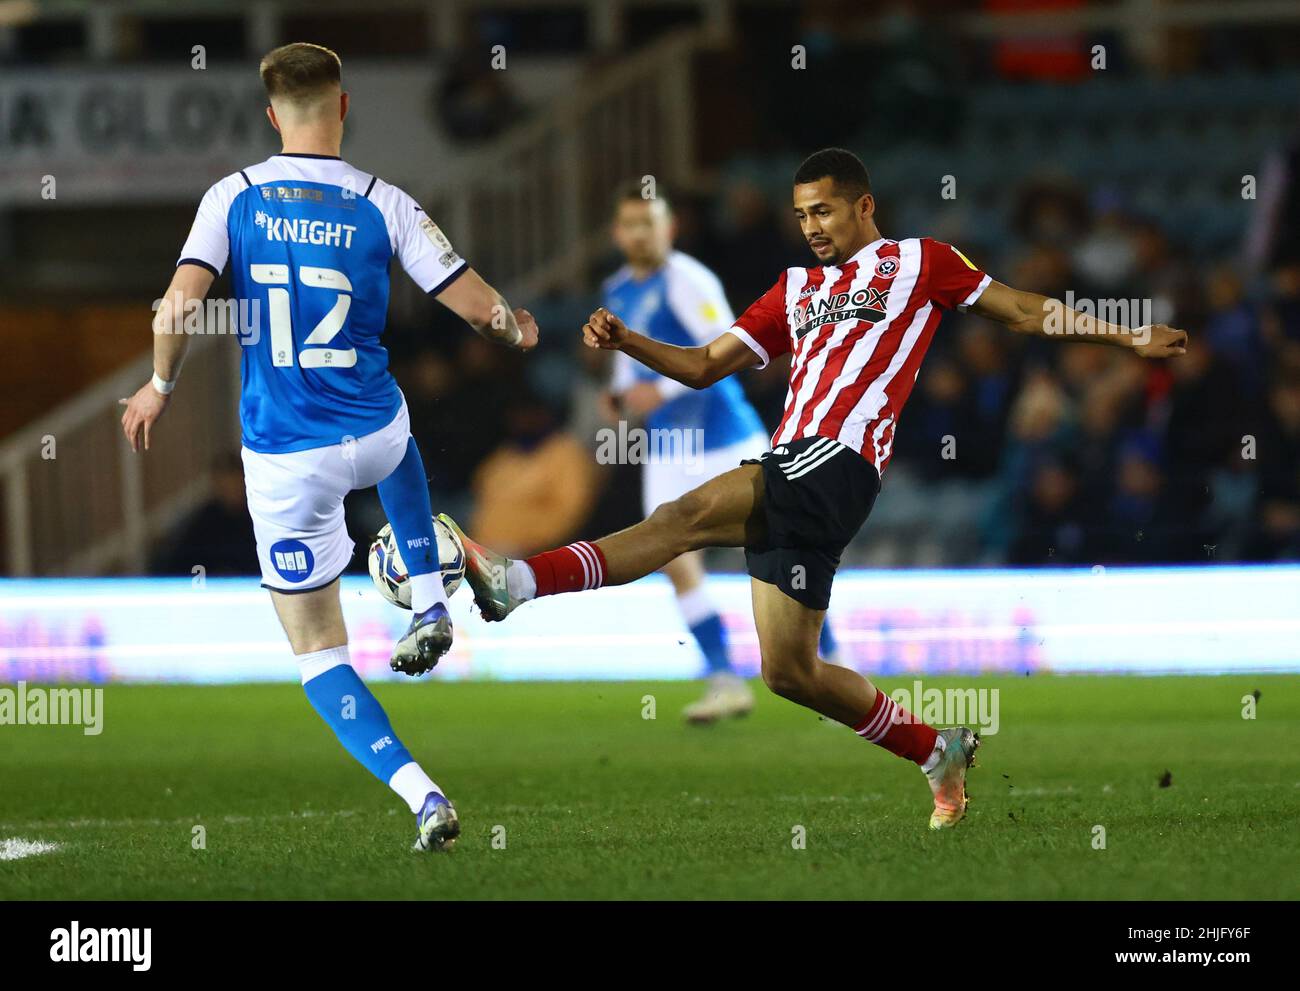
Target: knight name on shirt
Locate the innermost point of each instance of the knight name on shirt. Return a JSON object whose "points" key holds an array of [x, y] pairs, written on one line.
{"points": [[301, 231]]}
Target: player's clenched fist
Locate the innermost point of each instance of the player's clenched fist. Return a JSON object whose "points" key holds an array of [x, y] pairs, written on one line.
{"points": [[604, 330], [1162, 341]]}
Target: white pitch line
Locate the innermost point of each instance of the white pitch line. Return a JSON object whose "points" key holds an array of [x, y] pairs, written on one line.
{"points": [[229, 820], [17, 848]]}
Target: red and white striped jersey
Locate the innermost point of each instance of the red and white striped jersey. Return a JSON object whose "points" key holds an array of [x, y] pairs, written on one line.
{"points": [[857, 333]]}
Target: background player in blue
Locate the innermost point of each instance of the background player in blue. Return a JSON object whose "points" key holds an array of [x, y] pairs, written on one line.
{"points": [[309, 239], [675, 299]]}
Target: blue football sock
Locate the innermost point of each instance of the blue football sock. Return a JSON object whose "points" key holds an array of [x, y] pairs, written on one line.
{"points": [[827, 645], [405, 497], [712, 638], [348, 707], [706, 626]]}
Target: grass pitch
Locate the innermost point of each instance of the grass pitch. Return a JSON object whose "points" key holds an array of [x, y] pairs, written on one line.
{"points": [[591, 800]]}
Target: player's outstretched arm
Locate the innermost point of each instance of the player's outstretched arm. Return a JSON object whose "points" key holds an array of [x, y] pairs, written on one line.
{"points": [[484, 309], [189, 287], [697, 367], [1031, 313]]}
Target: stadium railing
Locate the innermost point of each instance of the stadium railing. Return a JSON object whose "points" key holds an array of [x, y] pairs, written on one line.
{"points": [[51, 466], [531, 208]]}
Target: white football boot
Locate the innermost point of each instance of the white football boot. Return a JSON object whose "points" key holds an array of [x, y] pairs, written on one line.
{"points": [[728, 695]]}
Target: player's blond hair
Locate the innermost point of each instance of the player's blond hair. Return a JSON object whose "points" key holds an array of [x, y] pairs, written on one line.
{"points": [[300, 73]]}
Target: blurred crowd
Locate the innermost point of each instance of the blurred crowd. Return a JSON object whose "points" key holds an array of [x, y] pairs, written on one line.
{"points": [[1010, 450], [1037, 452], [1082, 454], [1013, 450]]}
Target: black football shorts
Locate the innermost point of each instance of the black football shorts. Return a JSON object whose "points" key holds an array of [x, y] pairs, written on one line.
{"points": [[817, 493]]}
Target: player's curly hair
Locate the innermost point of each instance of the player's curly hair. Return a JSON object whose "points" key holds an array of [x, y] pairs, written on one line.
{"points": [[843, 167], [299, 71]]}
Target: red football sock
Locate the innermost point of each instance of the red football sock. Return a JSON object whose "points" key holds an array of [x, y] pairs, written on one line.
{"points": [[891, 726], [575, 568]]}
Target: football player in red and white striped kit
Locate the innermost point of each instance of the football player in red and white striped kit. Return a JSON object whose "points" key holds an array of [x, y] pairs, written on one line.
{"points": [[857, 326]]}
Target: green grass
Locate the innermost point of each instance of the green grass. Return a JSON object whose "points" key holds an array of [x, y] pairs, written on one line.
{"points": [[597, 802]]}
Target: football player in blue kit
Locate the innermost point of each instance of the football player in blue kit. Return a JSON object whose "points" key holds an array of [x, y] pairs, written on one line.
{"points": [[309, 238], [693, 435]]}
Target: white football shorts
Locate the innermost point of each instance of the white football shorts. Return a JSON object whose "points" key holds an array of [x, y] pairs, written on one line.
{"points": [[665, 480], [296, 501]]}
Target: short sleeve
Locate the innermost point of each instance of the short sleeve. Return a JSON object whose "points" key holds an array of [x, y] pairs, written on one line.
{"points": [[955, 281], [208, 244], [424, 251], [699, 304], [623, 375], [764, 326]]}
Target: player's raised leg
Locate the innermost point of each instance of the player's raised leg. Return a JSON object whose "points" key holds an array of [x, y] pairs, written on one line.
{"points": [[313, 622], [405, 497], [788, 633], [723, 512], [727, 693]]}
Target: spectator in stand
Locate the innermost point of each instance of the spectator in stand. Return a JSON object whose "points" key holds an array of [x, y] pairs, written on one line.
{"points": [[1051, 525], [1050, 213], [984, 352], [1198, 438], [1281, 316], [1108, 402], [1232, 327], [439, 389], [535, 490], [936, 411], [1140, 526], [218, 536], [1038, 430], [474, 100], [1165, 277], [1106, 256], [1275, 533], [752, 250]]}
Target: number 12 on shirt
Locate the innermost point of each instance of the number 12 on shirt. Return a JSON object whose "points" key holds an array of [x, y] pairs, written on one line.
{"points": [[313, 354]]}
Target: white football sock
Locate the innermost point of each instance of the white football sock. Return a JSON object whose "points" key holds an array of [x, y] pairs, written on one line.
{"points": [[413, 785], [940, 745], [521, 583], [696, 605], [319, 661], [427, 591]]}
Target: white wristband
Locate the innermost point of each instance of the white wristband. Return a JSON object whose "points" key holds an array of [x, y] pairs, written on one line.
{"points": [[165, 388]]}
